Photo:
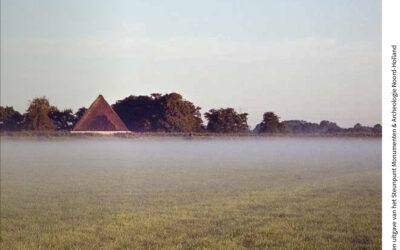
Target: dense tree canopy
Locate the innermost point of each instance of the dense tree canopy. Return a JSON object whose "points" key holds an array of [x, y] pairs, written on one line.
{"points": [[271, 124], [226, 121], [63, 120], [37, 115], [329, 127], [10, 119], [301, 127], [377, 128], [169, 113], [358, 128], [178, 115]]}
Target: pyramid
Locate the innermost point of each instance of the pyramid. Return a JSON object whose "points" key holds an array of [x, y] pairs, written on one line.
{"points": [[100, 117]]}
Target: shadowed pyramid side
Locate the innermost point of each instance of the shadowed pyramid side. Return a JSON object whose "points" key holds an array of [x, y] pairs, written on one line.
{"points": [[100, 117]]}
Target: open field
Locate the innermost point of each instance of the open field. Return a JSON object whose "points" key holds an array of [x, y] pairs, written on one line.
{"points": [[113, 193]]}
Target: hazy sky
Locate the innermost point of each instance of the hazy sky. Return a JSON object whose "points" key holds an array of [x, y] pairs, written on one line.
{"points": [[308, 59]]}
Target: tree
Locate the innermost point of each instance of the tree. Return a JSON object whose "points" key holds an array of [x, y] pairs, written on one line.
{"points": [[226, 121], [137, 112], [301, 127], [10, 119], [358, 127], [178, 115], [78, 115], [63, 120], [329, 127], [169, 113], [271, 124], [37, 115], [377, 129]]}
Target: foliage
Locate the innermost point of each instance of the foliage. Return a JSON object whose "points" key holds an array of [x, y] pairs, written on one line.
{"points": [[301, 127], [36, 119], [358, 128], [271, 124], [37, 115], [169, 113], [329, 127], [63, 120], [137, 112], [226, 120], [178, 115], [377, 129], [10, 119], [79, 114]]}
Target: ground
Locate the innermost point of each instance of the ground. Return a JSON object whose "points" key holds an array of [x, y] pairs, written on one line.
{"points": [[214, 207]]}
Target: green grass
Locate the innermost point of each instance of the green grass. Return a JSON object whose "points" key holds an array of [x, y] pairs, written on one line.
{"points": [[190, 208]]}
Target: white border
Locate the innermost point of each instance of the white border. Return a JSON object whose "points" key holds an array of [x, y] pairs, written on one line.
{"points": [[390, 35]]}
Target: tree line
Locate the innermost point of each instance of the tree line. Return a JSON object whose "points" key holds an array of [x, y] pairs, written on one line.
{"points": [[166, 113]]}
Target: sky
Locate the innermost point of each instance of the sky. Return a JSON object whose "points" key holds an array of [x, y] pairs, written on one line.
{"points": [[311, 60]]}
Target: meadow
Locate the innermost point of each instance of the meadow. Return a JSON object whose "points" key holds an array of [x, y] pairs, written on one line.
{"points": [[176, 193]]}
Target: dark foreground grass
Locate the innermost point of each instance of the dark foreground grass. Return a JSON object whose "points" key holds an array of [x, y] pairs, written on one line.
{"points": [[302, 214], [211, 207]]}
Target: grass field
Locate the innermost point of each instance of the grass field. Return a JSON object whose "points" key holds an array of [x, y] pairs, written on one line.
{"points": [[201, 201]]}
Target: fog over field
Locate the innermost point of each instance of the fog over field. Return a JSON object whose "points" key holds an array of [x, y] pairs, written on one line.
{"points": [[160, 153], [111, 193]]}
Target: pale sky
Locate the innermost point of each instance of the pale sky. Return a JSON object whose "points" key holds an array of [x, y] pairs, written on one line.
{"points": [[311, 59]]}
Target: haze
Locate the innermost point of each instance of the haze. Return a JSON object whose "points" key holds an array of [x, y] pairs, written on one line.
{"points": [[310, 60]]}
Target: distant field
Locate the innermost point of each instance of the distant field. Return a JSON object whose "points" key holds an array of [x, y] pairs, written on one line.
{"points": [[282, 193]]}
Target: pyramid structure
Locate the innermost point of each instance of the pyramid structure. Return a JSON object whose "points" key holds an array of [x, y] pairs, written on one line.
{"points": [[100, 117]]}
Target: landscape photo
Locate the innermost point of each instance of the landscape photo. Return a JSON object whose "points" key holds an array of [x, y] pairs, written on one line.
{"points": [[191, 125]]}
